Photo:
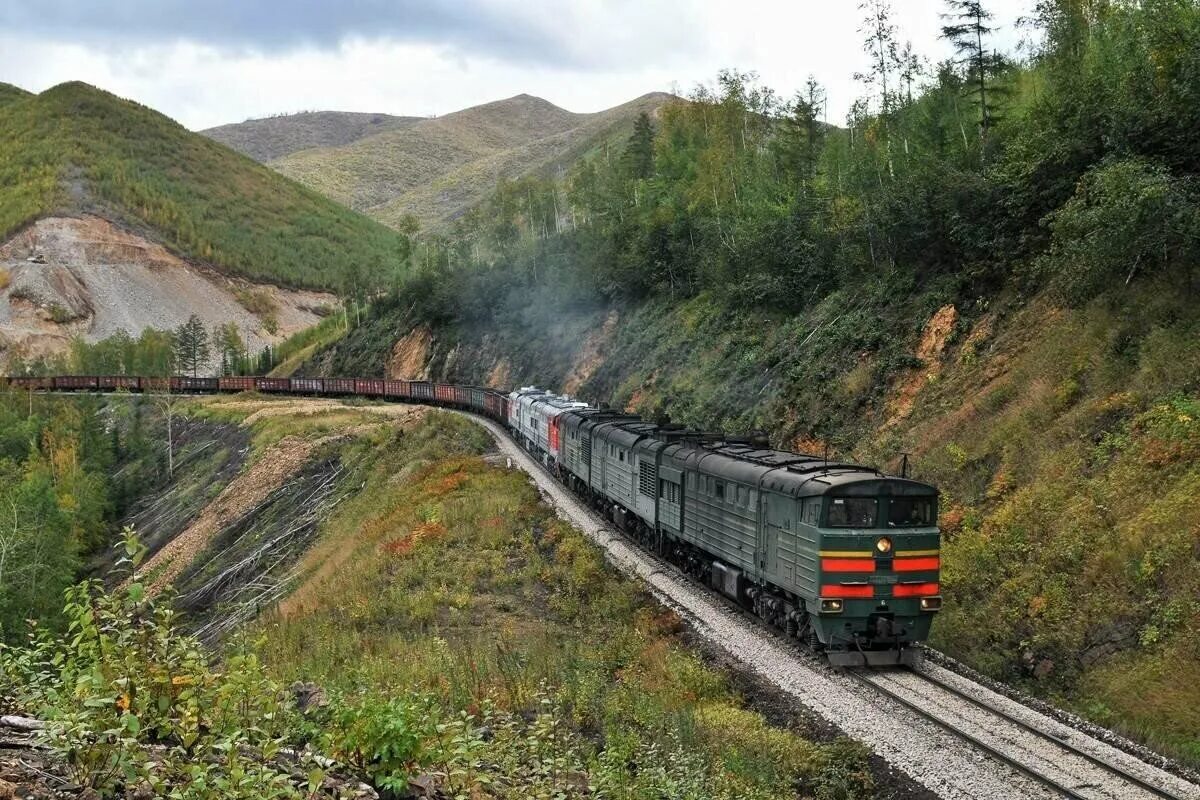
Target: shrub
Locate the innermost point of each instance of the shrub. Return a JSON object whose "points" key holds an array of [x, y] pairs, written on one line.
{"points": [[124, 678], [1126, 217]]}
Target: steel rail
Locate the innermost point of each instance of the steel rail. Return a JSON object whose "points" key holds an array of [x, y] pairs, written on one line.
{"points": [[1103, 763], [975, 741]]}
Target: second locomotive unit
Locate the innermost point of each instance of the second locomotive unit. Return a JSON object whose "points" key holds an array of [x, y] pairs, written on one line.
{"points": [[839, 555]]}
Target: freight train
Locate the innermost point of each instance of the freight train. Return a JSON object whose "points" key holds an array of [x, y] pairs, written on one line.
{"points": [[840, 556]]}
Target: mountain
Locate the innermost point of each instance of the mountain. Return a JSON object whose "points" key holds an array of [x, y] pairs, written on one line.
{"points": [[115, 218], [436, 169], [77, 149], [270, 138]]}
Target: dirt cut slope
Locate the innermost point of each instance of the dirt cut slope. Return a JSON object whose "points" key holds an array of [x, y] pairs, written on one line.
{"points": [[84, 276]]}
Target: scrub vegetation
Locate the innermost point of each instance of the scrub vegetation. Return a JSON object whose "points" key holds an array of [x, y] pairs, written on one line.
{"points": [[993, 267], [446, 628]]}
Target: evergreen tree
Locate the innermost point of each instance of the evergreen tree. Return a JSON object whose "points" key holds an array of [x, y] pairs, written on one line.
{"points": [[802, 135], [967, 30], [229, 343], [879, 43], [191, 345], [639, 152]]}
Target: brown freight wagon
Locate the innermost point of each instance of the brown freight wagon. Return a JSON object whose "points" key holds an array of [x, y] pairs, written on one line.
{"points": [[186, 383], [114, 382], [308, 385], [369, 387], [397, 389], [236, 383], [76, 382]]}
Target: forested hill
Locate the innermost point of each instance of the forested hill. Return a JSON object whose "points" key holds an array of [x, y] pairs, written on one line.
{"points": [[75, 148], [269, 138], [433, 170], [994, 266]]}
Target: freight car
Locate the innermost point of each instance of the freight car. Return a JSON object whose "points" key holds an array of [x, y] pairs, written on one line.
{"points": [[838, 555]]}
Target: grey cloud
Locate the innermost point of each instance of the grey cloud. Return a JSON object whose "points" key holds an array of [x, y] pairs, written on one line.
{"points": [[478, 26]]}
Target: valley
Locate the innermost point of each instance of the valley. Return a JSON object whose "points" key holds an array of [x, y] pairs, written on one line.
{"points": [[982, 277]]}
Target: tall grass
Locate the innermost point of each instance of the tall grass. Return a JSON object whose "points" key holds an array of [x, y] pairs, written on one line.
{"points": [[448, 577]]}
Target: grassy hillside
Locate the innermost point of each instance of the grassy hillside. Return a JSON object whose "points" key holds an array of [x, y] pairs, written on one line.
{"points": [[9, 92], [270, 138], [76, 148], [448, 630], [436, 169], [1016, 310], [535, 638]]}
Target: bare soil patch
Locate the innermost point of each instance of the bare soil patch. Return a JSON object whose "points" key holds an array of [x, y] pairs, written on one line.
{"points": [[85, 276]]}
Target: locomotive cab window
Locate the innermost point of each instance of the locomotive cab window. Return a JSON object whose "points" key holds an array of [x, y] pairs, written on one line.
{"points": [[852, 512], [911, 512]]}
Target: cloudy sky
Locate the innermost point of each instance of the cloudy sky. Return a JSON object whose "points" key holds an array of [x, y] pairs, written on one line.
{"points": [[207, 62]]}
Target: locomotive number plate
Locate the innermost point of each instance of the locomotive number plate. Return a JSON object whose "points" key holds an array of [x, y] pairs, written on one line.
{"points": [[882, 580]]}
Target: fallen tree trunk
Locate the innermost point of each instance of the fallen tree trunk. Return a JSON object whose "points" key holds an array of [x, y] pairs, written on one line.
{"points": [[26, 724]]}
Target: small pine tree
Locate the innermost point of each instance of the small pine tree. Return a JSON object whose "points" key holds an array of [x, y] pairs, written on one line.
{"points": [[191, 346], [967, 29], [639, 152]]}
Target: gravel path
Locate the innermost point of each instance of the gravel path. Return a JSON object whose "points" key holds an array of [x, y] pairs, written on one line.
{"points": [[943, 763]]}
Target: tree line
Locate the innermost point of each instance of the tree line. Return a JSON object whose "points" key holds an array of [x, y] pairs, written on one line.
{"points": [[1072, 168]]}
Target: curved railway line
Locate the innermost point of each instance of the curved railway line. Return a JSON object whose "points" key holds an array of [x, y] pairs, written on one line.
{"points": [[934, 724], [1083, 775]]}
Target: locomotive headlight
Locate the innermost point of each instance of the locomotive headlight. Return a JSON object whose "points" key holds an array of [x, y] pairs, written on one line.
{"points": [[931, 603], [883, 546], [833, 606]]}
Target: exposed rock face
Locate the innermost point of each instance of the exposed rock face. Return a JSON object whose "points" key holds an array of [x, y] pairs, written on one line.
{"points": [[85, 276], [933, 344], [410, 356], [591, 354]]}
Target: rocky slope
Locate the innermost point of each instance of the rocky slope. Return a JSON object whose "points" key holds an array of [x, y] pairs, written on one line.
{"points": [[85, 276]]}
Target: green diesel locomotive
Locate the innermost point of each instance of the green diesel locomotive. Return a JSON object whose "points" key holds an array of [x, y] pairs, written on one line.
{"points": [[838, 555]]}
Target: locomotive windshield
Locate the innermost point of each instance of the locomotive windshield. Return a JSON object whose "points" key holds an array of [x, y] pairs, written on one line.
{"points": [[911, 512], [852, 512]]}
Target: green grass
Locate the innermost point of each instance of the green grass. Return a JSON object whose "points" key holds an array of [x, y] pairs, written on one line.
{"points": [[76, 148], [447, 578], [297, 348]]}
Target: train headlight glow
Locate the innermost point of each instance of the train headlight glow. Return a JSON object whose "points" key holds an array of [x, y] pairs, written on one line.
{"points": [[831, 606], [883, 546], [931, 603]]}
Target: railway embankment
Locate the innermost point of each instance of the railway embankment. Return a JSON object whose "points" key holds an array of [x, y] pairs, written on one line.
{"points": [[1063, 439], [439, 631]]}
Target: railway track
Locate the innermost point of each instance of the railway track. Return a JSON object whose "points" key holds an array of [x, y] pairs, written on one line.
{"points": [[1042, 751]]}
